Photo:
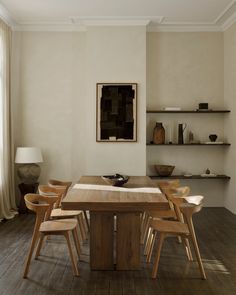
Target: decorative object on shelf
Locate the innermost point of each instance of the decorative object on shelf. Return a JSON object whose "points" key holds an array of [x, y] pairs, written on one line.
{"points": [[164, 170], [181, 128], [208, 173], [190, 137], [203, 106], [116, 112], [170, 134], [159, 134], [213, 137], [28, 170], [172, 109], [116, 179]]}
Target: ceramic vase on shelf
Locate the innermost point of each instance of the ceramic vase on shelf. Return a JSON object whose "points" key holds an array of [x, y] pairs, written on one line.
{"points": [[159, 134], [181, 128]]}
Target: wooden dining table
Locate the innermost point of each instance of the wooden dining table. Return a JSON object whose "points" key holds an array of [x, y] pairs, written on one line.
{"points": [[115, 248]]}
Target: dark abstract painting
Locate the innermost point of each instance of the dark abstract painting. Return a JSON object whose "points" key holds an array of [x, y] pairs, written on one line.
{"points": [[116, 112]]}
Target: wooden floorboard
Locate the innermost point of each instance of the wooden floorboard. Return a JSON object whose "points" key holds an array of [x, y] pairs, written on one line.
{"points": [[52, 274]]}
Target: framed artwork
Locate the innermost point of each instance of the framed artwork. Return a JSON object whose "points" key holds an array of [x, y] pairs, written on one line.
{"points": [[116, 112]]}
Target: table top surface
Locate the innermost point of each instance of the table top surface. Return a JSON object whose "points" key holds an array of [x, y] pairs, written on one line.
{"points": [[103, 200]]}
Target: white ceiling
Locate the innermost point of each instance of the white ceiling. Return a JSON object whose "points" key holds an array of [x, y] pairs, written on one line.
{"points": [[165, 12]]}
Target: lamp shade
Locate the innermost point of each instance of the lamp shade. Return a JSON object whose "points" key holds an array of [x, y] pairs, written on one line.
{"points": [[27, 155]]}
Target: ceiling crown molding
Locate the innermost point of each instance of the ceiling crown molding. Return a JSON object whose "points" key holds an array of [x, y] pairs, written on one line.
{"points": [[6, 16], [224, 15], [80, 23], [153, 24], [61, 26], [179, 27], [112, 21], [223, 21], [229, 22]]}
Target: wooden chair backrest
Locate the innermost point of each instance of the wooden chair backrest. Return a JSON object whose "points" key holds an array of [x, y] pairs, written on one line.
{"points": [[181, 192], [191, 205], [175, 183], [41, 205], [187, 205], [58, 183], [47, 190], [54, 182], [172, 191], [166, 185]]}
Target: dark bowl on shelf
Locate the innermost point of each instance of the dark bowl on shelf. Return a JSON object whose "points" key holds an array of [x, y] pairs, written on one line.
{"points": [[213, 137], [164, 170], [116, 179]]}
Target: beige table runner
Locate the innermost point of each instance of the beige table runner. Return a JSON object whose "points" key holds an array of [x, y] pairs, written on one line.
{"points": [[152, 190]]}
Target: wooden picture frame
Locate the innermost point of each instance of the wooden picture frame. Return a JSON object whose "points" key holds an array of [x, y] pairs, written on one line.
{"points": [[116, 118]]}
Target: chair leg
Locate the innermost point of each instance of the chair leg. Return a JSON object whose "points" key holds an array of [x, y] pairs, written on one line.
{"points": [[74, 265], [86, 220], [186, 246], [195, 245], [150, 250], [76, 241], [148, 241], [158, 254], [142, 221], [81, 227], [40, 243], [32, 246], [179, 239], [190, 256], [79, 233], [146, 228]]}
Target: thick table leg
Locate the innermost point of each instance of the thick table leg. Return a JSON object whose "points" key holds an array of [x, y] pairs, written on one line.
{"points": [[128, 241], [101, 240]]}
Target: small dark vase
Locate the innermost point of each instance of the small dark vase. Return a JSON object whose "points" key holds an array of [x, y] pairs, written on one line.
{"points": [[213, 137], [159, 134], [181, 128]]}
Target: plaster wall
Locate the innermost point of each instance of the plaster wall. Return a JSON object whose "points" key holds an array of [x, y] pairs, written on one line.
{"points": [[230, 122]]}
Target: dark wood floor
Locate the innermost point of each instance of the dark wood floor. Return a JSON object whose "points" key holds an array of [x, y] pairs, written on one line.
{"points": [[51, 274]]}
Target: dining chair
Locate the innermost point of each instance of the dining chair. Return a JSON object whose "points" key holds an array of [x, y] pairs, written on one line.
{"points": [[42, 206], [171, 214], [164, 228], [57, 212], [55, 182]]}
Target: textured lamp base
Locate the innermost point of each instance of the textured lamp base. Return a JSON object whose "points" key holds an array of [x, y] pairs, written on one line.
{"points": [[28, 173]]}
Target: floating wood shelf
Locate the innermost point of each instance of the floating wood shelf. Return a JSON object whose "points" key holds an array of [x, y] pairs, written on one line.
{"points": [[189, 111], [190, 177], [190, 144]]}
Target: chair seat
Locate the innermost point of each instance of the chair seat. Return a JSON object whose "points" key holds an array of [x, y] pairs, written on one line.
{"points": [[162, 214], [170, 227], [58, 225], [57, 213]]}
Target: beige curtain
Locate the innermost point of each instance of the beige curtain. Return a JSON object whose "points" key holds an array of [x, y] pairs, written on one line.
{"points": [[7, 194]]}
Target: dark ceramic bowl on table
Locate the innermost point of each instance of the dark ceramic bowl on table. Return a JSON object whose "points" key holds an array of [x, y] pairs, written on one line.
{"points": [[115, 179]]}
